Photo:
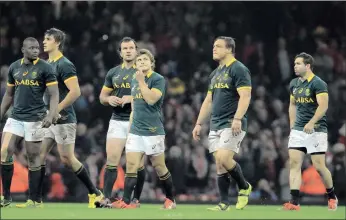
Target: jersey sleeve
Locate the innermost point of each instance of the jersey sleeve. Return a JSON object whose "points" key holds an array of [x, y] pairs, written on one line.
{"points": [[210, 85], [159, 85], [242, 78], [108, 85], [291, 87], [68, 72], [320, 87], [10, 78], [49, 76]]}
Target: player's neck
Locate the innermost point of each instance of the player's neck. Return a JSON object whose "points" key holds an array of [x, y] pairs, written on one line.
{"points": [[149, 71], [54, 55], [307, 75], [128, 65], [226, 60], [28, 61]]}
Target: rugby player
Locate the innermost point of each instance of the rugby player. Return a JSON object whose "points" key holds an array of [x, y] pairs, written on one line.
{"points": [[28, 79], [147, 135], [63, 133], [116, 92], [307, 113], [227, 101]]}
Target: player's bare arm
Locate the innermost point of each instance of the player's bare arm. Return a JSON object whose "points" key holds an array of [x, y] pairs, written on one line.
{"points": [[53, 92], [203, 116], [7, 100], [243, 105], [107, 99], [73, 94], [150, 96], [322, 101], [292, 111]]}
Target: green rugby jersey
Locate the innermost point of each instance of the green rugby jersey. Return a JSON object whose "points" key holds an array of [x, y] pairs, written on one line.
{"points": [[225, 82], [118, 79], [30, 82], [64, 71], [305, 95], [148, 119]]}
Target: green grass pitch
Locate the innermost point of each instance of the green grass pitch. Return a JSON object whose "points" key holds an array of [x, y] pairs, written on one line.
{"points": [[153, 211]]}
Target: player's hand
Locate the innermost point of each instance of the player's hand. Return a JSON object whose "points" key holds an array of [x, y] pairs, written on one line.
{"points": [[126, 100], [236, 127], [47, 121], [140, 76], [114, 101], [55, 118], [196, 132], [309, 128]]}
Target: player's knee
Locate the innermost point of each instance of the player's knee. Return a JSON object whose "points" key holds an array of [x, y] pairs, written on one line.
{"points": [[34, 159], [4, 154], [113, 159], [132, 166], [295, 163], [319, 164], [67, 160], [160, 168]]}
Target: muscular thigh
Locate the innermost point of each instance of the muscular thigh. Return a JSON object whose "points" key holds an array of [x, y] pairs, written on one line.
{"points": [[115, 146], [66, 150], [9, 142], [133, 160], [64, 134]]}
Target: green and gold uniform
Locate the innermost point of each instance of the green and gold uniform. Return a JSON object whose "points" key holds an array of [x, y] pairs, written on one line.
{"points": [[147, 119], [304, 94], [225, 82], [118, 79], [30, 82], [65, 71]]}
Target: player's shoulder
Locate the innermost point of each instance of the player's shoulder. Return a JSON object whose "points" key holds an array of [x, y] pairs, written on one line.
{"points": [[212, 74], [43, 64], [317, 79], [294, 81], [157, 76], [64, 61], [318, 83], [16, 63], [239, 66], [114, 70]]}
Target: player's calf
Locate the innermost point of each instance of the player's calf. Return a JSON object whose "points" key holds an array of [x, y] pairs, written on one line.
{"points": [[318, 160], [133, 160], [114, 149], [165, 177]]}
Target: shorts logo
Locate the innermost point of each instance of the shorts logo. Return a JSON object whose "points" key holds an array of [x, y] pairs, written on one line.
{"points": [[317, 145], [153, 147], [226, 141], [64, 137], [153, 129]]}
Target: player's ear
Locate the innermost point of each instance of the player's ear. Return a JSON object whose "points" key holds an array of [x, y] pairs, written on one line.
{"points": [[22, 49]]}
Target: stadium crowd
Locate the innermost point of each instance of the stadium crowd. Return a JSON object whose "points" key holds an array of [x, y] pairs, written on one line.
{"points": [[180, 34]]}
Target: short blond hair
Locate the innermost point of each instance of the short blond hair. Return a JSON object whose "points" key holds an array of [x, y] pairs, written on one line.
{"points": [[149, 54]]}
